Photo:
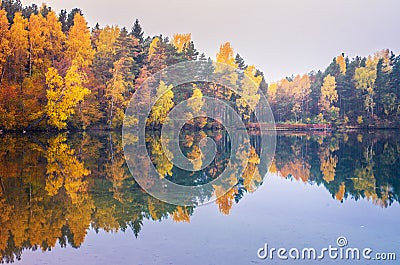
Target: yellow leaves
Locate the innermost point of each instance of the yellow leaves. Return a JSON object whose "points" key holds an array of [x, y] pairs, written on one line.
{"points": [[341, 61], [107, 38], [180, 41], [5, 38], [250, 72], [341, 192], [116, 175], [251, 175], [328, 168], [299, 169], [79, 47], [19, 33], [153, 46], [8, 106], [181, 214], [53, 183], [196, 101], [328, 89], [159, 158], [196, 157], [385, 56], [365, 76], [56, 37], [5, 214], [79, 218], [272, 89], [64, 94], [272, 168], [249, 88], [296, 91], [39, 35], [64, 169], [360, 120], [224, 200], [225, 55], [19, 41], [55, 81], [106, 218], [152, 209], [365, 80], [364, 181], [114, 92], [328, 160], [163, 104], [329, 96]]}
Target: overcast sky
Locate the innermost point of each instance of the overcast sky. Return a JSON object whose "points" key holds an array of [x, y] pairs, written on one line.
{"points": [[281, 37]]}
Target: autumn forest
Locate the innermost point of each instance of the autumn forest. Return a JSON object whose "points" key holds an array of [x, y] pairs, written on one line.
{"points": [[56, 73]]}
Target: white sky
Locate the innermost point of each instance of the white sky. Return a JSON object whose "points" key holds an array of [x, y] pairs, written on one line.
{"points": [[281, 37]]}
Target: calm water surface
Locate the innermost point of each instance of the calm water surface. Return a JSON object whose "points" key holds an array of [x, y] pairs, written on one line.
{"points": [[70, 199]]}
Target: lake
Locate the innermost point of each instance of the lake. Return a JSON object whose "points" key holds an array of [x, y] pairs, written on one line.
{"points": [[71, 199]]}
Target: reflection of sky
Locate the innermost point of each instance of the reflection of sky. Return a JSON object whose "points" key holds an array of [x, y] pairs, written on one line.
{"points": [[282, 37], [281, 213]]}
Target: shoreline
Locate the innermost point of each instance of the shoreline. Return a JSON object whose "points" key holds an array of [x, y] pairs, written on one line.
{"points": [[317, 128]]}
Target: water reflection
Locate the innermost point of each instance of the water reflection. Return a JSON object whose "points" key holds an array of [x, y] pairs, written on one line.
{"points": [[56, 187], [356, 166]]}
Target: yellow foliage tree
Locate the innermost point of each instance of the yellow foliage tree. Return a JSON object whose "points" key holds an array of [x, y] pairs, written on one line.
{"points": [[159, 158], [296, 91], [19, 45], [63, 94], [115, 90], [249, 88], [329, 96], [226, 55], [163, 104], [180, 41], [328, 160], [195, 102], [251, 175], [341, 61], [272, 88], [153, 46], [225, 201], [365, 80], [64, 169], [365, 181], [5, 39], [39, 36], [54, 48], [79, 46], [225, 68], [106, 40], [196, 157], [181, 214], [328, 168], [341, 192]]}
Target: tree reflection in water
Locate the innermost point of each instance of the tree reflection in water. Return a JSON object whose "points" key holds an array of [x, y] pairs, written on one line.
{"points": [[53, 188]]}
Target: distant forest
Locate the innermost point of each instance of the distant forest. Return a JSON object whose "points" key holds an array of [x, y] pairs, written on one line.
{"points": [[56, 73]]}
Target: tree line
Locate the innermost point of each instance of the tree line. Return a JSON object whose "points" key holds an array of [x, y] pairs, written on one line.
{"points": [[363, 91], [56, 73]]}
